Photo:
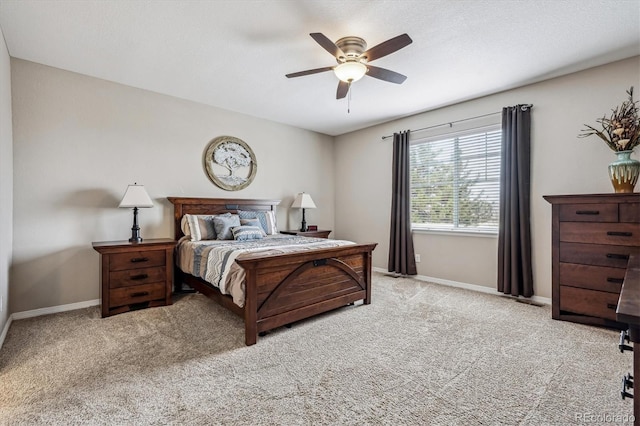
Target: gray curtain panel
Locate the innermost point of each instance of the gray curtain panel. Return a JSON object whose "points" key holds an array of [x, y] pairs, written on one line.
{"points": [[515, 275], [401, 255]]}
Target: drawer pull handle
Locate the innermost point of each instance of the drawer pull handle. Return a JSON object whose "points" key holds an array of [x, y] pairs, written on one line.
{"points": [[139, 259], [627, 383], [140, 294], [139, 277], [588, 212], [615, 280], [620, 234], [612, 306], [624, 339], [618, 256]]}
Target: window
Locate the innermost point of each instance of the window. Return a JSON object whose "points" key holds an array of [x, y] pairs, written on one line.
{"points": [[455, 181]]}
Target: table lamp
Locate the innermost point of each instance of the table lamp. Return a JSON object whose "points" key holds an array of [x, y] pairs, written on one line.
{"points": [[135, 196], [303, 201]]}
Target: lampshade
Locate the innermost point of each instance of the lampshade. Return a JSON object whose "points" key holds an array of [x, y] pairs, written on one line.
{"points": [[303, 201], [350, 71], [136, 196]]}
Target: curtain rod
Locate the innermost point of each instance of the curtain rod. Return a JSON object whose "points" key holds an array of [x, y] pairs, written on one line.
{"points": [[450, 123]]}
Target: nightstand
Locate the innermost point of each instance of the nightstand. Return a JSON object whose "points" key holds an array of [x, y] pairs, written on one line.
{"points": [[135, 275], [320, 233]]}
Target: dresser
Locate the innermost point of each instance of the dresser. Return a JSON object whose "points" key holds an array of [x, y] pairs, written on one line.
{"points": [[628, 313], [135, 275], [593, 236], [320, 233]]}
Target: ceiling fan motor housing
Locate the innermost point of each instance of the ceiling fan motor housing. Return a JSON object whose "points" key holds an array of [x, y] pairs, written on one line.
{"points": [[352, 47]]}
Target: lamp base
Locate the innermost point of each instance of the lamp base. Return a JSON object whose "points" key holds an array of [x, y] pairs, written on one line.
{"points": [[303, 227], [135, 229]]}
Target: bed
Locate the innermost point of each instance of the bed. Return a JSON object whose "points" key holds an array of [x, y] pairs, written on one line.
{"points": [[280, 289]]}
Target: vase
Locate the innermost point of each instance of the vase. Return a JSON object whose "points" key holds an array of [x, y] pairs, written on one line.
{"points": [[624, 172]]}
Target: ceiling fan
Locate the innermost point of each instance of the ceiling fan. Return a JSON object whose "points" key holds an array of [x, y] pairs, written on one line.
{"points": [[353, 60]]}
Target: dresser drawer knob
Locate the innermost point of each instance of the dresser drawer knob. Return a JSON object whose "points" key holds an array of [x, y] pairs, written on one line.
{"points": [[588, 212], [620, 234], [618, 256], [615, 280], [627, 383], [612, 306], [140, 294], [139, 277], [624, 339], [139, 259]]}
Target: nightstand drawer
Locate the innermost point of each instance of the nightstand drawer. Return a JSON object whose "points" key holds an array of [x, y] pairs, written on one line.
{"points": [[599, 278], [588, 213], [588, 302], [137, 259], [137, 294], [136, 277]]}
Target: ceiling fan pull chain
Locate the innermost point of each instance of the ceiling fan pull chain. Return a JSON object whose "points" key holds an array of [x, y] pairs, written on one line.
{"points": [[349, 100]]}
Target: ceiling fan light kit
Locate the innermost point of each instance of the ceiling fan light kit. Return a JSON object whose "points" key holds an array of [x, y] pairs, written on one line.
{"points": [[353, 60], [350, 71]]}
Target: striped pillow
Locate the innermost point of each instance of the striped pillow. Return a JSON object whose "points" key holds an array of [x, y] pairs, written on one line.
{"points": [[253, 222], [246, 233], [267, 219], [223, 224], [198, 227]]}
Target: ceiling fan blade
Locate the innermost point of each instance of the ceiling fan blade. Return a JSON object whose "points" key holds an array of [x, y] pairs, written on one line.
{"points": [[387, 47], [385, 74], [343, 89], [307, 72], [327, 44]]}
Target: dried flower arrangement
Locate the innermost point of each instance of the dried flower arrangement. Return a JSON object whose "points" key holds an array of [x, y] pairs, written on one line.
{"points": [[621, 131]]}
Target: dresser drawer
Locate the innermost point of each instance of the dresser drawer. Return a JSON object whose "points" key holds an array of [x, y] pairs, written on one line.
{"points": [[588, 302], [596, 254], [588, 213], [137, 259], [141, 293], [630, 212], [135, 277], [623, 234], [599, 278]]}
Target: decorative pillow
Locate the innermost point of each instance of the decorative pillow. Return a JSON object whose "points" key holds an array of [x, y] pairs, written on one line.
{"points": [[267, 219], [246, 233], [198, 227], [223, 224], [253, 222]]}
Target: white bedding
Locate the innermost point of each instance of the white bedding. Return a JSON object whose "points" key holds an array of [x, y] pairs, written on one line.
{"points": [[214, 260]]}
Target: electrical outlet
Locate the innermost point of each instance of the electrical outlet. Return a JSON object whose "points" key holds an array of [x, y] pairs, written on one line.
{"points": [[417, 258]]}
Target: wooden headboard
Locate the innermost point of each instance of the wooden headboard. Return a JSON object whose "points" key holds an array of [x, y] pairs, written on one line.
{"points": [[185, 205]]}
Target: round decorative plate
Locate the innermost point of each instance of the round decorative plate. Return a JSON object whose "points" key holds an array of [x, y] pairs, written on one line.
{"points": [[230, 163]]}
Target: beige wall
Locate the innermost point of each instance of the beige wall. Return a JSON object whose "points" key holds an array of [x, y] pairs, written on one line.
{"points": [[79, 141], [561, 164], [6, 181]]}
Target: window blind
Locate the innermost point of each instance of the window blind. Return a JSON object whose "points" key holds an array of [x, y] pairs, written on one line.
{"points": [[455, 181]]}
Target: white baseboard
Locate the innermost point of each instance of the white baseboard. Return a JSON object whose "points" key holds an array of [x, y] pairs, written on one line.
{"points": [[5, 330], [473, 287], [55, 309]]}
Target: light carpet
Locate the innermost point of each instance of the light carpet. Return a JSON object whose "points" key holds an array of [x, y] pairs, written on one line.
{"points": [[421, 353]]}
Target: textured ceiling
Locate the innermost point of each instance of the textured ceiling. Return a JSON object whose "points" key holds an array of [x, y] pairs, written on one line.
{"points": [[235, 54]]}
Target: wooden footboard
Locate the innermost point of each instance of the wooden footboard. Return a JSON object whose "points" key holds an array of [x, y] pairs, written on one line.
{"points": [[281, 289]]}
